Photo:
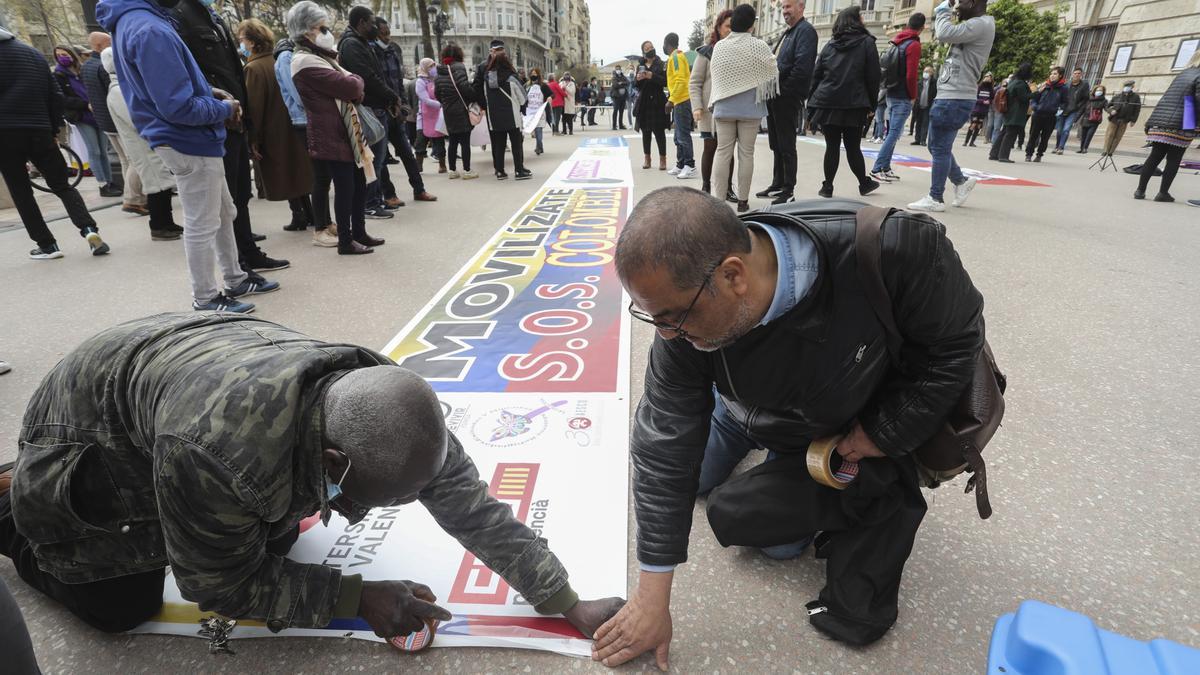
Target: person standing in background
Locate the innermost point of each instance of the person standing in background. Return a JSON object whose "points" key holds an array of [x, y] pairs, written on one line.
{"points": [[583, 98], [428, 111], [1048, 104], [679, 103], [1170, 131], [502, 97], [96, 80], [995, 120], [1017, 96], [1123, 110], [926, 94], [392, 67], [745, 75], [1078, 95], [557, 101], [796, 54], [596, 100], [651, 108], [845, 85], [900, 83], [570, 97], [620, 94], [983, 103], [537, 108], [280, 158], [878, 121], [79, 113], [324, 229], [454, 91], [970, 41], [700, 93], [1091, 117]]}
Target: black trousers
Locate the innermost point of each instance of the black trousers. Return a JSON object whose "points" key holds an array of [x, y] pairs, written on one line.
{"points": [[1003, 145], [15, 644], [398, 137], [320, 190], [460, 143], [781, 136], [568, 123], [18, 146], [237, 177], [349, 200], [1158, 151], [500, 141], [618, 120], [921, 120], [110, 605], [1040, 130], [867, 530], [660, 138], [851, 138], [161, 213]]}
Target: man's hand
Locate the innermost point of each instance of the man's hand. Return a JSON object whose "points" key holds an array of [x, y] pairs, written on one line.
{"points": [[857, 445], [589, 615], [697, 114], [394, 608], [670, 107], [221, 94], [644, 623], [235, 110], [256, 152]]}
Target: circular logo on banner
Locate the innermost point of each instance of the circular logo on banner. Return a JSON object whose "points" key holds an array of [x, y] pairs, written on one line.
{"points": [[511, 426], [579, 423]]}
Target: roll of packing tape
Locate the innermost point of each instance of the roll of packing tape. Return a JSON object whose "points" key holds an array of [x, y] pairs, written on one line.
{"points": [[415, 642], [827, 467]]}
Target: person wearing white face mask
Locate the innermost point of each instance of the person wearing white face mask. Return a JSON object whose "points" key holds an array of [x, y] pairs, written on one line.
{"points": [[926, 93], [1123, 110], [1091, 115]]}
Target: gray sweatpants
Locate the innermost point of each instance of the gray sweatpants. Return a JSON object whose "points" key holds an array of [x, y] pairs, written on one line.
{"points": [[208, 212]]}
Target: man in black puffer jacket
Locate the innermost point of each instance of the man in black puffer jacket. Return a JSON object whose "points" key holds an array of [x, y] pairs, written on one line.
{"points": [[31, 113], [766, 340]]}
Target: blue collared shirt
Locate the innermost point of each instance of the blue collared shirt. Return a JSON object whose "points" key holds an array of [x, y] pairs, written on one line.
{"points": [[797, 265]]}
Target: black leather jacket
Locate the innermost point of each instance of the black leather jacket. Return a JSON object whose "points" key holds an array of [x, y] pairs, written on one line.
{"points": [[796, 57], [811, 372]]}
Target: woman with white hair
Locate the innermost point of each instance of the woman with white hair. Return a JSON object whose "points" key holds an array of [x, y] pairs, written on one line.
{"points": [[335, 134], [428, 110], [157, 181]]}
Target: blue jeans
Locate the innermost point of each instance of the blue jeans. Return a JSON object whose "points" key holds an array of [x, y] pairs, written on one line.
{"points": [[728, 445], [898, 110], [880, 116], [537, 134], [997, 125], [97, 150], [946, 117], [1063, 127], [682, 114]]}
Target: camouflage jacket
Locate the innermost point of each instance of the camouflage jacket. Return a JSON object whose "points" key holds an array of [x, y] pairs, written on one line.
{"points": [[195, 439]]}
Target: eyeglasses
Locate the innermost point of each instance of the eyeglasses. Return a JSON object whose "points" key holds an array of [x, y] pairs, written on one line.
{"points": [[644, 317]]}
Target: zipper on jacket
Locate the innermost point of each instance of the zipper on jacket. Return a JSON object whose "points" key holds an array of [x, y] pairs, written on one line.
{"points": [[729, 378]]}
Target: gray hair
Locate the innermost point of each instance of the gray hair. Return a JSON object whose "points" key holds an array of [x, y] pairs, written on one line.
{"points": [[687, 231], [303, 17]]}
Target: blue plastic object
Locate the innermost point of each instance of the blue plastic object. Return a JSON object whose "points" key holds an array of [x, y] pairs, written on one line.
{"points": [[1041, 639]]}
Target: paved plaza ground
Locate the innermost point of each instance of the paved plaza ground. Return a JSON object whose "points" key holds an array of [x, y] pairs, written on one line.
{"points": [[1093, 310]]}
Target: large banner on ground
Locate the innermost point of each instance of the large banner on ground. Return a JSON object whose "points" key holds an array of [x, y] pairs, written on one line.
{"points": [[528, 349]]}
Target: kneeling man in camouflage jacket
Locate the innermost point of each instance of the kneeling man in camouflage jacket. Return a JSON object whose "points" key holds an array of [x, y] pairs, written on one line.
{"points": [[200, 441]]}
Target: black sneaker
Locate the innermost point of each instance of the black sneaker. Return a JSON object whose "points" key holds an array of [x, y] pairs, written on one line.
{"points": [[268, 264], [826, 190], [223, 303], [111, 191], [379, 214], [524, 174], [50, 252], [1139, 194], [258, 237], [771, 191], [94, 241], [164, 235], [1163, 197], [732, 197], [868, 187], [500, 175], [295, 227], [782, 198]]}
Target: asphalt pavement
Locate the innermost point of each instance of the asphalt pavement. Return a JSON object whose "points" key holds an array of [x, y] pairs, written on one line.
{"points": [[1093, 310]]}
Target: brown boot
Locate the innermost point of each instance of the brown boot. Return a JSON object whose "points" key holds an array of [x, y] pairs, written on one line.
{"points": [[646, 165], [420, 162], [442, 165], [662, 162]]}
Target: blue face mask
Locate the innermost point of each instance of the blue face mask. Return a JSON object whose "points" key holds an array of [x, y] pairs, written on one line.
{"points": [[334, 490], [243, 51], [207, 3]]}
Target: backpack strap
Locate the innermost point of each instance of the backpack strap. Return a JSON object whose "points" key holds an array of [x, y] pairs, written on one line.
{"points": [[868, 253]]}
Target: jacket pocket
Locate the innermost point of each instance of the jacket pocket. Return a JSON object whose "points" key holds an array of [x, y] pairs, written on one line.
{"points": [[53, 477], [862, 359]]}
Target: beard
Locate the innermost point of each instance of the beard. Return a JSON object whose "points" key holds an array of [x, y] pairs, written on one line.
{"points": [[743, 321]]}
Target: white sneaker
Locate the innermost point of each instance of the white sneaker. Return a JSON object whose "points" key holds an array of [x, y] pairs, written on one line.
{"points": [[470, 175], [891, 175], [927, 203], [961, 192], [4, 367], [673, 171], [325, 238], [454, 174], [687, 172]]}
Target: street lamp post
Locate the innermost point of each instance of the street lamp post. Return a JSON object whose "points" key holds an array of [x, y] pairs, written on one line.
{"points": [[440, 22]]}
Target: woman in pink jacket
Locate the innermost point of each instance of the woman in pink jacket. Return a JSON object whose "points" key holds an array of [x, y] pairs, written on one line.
{"points": [[427, 116]]}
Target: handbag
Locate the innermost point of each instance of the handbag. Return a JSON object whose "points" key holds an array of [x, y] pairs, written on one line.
{"points": [[373, 129], [474, 112], [957, 445]]}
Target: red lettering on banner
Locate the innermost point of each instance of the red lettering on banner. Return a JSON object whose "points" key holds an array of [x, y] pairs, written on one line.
{"points": [[555, 366], [555, 322], [475, 583]]}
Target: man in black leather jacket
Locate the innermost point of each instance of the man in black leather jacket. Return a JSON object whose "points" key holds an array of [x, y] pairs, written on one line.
{"points": [[766, 340], [796, 54], [214, 47]]}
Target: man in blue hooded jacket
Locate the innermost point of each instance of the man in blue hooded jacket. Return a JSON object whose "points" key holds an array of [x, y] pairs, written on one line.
{"points": [[183, 119]]}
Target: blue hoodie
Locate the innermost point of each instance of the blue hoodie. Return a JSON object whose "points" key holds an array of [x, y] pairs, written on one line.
{"points": [[169, 100]]}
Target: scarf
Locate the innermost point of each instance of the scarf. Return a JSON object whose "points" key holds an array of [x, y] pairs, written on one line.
{"points": [[741, 62]]}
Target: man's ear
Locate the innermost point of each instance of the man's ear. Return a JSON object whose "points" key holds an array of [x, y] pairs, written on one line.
{"points": [[334, 462]]}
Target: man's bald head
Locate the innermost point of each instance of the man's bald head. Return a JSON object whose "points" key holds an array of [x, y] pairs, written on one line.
{"points": [[389, 423], [99, 41], [682, 229]]}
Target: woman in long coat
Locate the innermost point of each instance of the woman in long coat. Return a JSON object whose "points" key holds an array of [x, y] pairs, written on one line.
{"points": [[651, 108], [453, 88], [280, 157]]}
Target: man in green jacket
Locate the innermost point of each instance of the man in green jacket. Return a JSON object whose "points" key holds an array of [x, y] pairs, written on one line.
{"points": [[200, 441]]}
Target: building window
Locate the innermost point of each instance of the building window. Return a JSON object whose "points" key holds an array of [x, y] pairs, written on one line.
{"points": [[1089, 49], [825, 7], [867, 5], [480, 19], [908, 4]]}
